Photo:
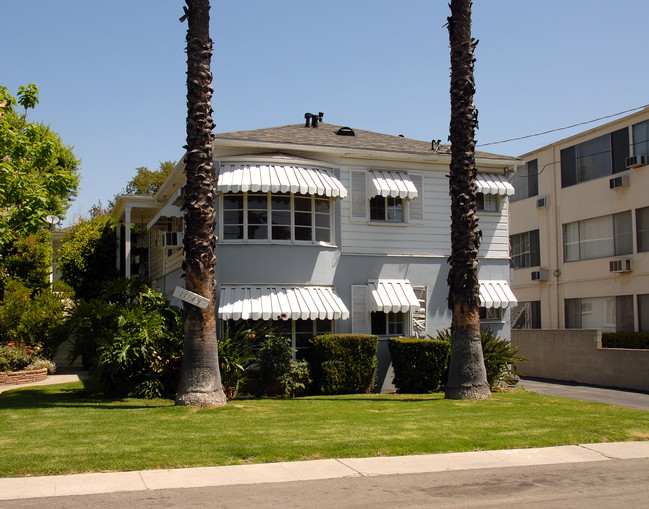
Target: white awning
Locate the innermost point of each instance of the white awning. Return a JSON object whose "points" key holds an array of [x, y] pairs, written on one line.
{"points": [[496, 294], [251, 177], [393, 183], [392, 296], [491, 183], [280, 303]]}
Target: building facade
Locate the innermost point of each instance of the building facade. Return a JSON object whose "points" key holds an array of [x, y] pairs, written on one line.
{"points": [[331, 229], [580, 231]]}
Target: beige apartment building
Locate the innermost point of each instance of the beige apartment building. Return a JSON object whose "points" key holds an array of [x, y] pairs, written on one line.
{"points": [[579, 231]]}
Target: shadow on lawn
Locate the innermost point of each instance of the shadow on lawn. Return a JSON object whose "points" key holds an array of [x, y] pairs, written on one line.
{"points": [[87, 397]]}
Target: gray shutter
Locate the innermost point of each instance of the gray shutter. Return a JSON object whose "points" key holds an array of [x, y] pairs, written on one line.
{"points": [[360, 312], [416, 206], [359, 197]]}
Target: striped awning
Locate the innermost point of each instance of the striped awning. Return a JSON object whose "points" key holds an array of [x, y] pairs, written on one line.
{"points": [[393, 184], [392, 296], [280, 303], [491, 183], [252, 177], [496, 294]]}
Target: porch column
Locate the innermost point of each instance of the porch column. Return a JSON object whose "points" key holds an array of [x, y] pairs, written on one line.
{"points": [[127, 242]]}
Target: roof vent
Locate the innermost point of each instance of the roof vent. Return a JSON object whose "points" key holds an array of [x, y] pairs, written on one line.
{"points": [[435, 145], [345, 131], [312, 119]]}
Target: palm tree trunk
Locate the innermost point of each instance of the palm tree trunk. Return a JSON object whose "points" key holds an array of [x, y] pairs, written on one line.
{"points": [[200, 381], [467, 375]]}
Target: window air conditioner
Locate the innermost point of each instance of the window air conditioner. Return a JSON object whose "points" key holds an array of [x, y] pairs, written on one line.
{"points": [[620, 265], [542, 202], [635, 161], [619, 182], [540, 275], [172, 239]]}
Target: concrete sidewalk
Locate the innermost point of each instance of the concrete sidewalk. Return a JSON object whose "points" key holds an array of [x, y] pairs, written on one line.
{"points": [[147, 480]]}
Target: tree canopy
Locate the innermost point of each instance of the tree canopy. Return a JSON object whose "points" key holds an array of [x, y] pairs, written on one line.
{"points": [[39, 174], [149, 181]]}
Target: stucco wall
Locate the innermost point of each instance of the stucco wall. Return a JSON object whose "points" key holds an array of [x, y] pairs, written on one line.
{"points": [[577, 355]]}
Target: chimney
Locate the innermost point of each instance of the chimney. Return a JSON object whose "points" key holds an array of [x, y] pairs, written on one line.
{"points": [[312, 119]]}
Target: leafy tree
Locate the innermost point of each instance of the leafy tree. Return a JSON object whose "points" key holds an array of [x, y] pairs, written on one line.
{"points": [[200, 382], [149, 181], [28, 259], [467, 376], [39, 174], [87, 256]]}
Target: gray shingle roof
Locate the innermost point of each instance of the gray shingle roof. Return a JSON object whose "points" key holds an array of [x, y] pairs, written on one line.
{"points": [[325, 136]]}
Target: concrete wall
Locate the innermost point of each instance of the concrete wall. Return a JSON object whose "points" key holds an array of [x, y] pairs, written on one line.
{"points": [[577, 355]]}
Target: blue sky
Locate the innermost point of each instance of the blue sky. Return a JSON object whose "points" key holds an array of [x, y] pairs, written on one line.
{"points": [[111, 74]]}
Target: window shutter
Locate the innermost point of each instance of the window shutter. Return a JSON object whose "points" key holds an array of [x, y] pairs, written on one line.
{"points": [[416, 206], [359, 197], [419, 317], [360, 312]]}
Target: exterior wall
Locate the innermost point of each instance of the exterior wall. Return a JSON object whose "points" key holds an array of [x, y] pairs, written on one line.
{"points": [[586, 200], [577, 355]]}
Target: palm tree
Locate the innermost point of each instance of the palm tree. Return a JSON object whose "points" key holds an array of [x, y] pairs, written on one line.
{"points": [[200, 380], [467, 376]]}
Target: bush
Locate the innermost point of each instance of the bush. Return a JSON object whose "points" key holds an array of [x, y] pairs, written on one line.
{"points": [[275, 357], [40, 364], [420, 365], [132, 337], [28, 260], [344, 363], [16, 357], [32, 320], [238, 353], [296, 378], [634, 340]]}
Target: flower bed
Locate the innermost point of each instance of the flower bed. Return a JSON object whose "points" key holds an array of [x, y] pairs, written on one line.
{"points": [[22, 377]]}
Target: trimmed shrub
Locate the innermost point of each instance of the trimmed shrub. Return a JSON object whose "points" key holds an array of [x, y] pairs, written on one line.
{"points": [[420, 365], [634, 340], [344, 363]]}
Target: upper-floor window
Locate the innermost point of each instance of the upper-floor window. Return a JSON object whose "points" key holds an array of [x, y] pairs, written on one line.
{"points": [[526, 251], [487, 202], [595, 158], [386, 208], [526, 181], [276, 217], [642, 228], [598, 237], [641, 139]]}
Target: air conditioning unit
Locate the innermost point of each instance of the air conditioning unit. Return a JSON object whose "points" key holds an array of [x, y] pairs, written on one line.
{"points": [[172, 240], [619, 182], [541, 203], [540, 275], [620, 265], [635, 161]]}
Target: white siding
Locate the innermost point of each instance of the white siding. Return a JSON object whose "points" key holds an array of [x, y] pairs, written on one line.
{"points": [[495, 232]]}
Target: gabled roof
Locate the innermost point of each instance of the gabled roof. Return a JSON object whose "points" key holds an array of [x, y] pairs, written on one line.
{"points": [[325, 136]]}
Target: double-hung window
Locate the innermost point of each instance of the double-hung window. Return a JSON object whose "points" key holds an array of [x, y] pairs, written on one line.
{"points": [[281, 217], [598, 237]]}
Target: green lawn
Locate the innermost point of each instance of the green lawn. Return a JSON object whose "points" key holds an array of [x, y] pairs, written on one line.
{"points": [[66, 429]]}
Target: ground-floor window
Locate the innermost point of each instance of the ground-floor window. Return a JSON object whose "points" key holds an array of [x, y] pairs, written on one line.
{"points": [[643, 312], [388, 324], [527, 315], [610, 314], [298, 331], [491, 314]]}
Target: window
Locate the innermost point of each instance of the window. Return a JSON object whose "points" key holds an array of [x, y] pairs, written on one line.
{"points": [[276, 217], [610, 314], [595, 158], [299, 331], [387, 324], [491, 314], [487, 202], [642, 228], [526, 181], [527, 315], [598, 237], [641, 139], [643, 312], [386, 208], [526, 251]]}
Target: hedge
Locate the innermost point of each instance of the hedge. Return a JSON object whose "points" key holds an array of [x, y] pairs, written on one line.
{"points": [[344, 363], [634, 340], [420, 365]]}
